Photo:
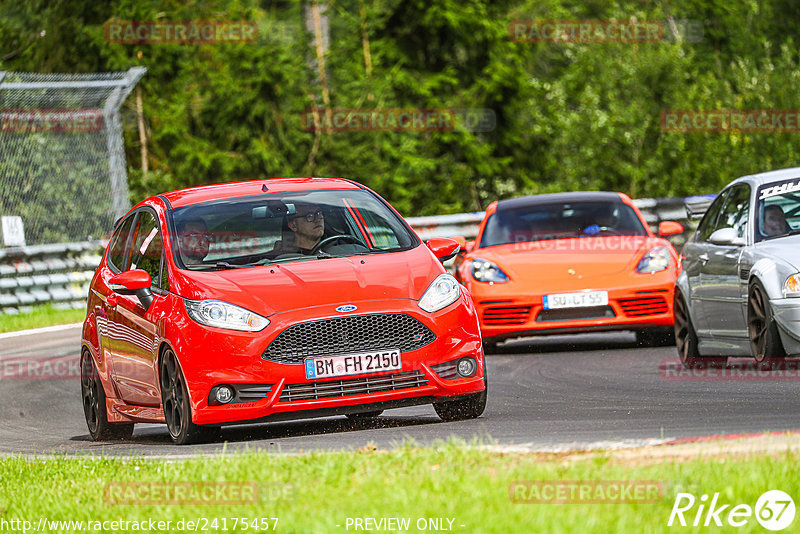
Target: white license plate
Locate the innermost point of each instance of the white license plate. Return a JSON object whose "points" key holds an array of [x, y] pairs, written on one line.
{"points": [[575, 300], [353, 364]]}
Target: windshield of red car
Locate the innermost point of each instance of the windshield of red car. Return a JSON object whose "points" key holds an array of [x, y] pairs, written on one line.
{"points": [[279, 227], [562, 220]]}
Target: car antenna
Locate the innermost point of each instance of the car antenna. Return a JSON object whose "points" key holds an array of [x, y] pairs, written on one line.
{"points": [[264, 188]]}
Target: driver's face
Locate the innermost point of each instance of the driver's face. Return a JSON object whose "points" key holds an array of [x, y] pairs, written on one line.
{"points": [[308, 223]]}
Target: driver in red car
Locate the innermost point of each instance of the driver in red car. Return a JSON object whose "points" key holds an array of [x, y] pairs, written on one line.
{"points": [[308, 225]]}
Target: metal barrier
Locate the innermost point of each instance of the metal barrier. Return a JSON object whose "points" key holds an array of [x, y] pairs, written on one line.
{"points": [[60, 273]]}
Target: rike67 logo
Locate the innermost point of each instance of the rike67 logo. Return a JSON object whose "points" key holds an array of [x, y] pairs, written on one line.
{"points": [[774, 510]]}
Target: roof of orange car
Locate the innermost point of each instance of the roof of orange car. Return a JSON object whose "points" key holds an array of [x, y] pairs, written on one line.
{"points": [[206, 193]]}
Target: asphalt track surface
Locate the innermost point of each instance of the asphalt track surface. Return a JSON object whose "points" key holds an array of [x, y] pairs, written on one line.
{"points": [[544, 394]]}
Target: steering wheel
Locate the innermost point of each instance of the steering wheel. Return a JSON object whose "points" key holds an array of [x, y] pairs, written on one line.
{"points": [[334, 239]]}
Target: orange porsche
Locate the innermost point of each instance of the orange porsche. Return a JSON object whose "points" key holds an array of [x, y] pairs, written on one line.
{"points": [[570, 262]]}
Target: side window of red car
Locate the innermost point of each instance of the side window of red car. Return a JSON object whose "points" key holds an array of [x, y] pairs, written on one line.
{"points": [[117, 254], [147, 247]]}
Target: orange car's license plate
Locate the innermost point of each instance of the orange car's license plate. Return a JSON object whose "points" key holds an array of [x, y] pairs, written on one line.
{"points": [[353, 364], [575, 300]]}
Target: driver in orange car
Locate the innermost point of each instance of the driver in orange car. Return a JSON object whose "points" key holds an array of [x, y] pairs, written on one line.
{"points": [[308, 225]]}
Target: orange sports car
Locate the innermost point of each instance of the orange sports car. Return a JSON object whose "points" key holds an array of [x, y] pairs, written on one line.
{"points": [[570, 262]]}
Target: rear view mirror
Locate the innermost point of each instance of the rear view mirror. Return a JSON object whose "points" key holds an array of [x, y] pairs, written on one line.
{"points": [[726, 236], [666, 228], [443, 247]]}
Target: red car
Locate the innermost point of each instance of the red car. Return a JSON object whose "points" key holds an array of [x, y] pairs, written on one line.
{"points": [[570, 262], [270, 300]]}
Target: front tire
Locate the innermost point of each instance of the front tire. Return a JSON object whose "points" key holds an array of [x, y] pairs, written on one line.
{"points": [[469, 407], [686, 339], [762, 329], [94, 405], [177, 407]]}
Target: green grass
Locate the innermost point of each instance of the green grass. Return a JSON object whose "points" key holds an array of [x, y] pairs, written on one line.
{"points": [[317, 491], [40, 316]]}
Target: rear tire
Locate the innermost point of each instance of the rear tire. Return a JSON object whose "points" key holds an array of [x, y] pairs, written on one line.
{"points": [[686, 339], [762, 329], [94, 405], [177, 407]]}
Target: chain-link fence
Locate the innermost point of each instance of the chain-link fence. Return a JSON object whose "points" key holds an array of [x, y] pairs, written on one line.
{"points": [[62, 159]]}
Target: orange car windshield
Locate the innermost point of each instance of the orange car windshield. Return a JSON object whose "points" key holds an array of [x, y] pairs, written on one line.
{"points": [[562, 220]]}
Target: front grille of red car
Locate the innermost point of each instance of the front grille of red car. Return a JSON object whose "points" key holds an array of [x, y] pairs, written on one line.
{"points": [[343, 335], [639, 306], [506, 315], [324, 389]]}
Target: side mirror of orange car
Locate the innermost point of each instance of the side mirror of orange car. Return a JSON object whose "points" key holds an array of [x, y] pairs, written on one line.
{"points": [[443, 247], [469, 246], [666, 228], [134, 282]]}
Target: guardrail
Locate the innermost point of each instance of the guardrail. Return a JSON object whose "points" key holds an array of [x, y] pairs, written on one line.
{"points": [[60, 273]]}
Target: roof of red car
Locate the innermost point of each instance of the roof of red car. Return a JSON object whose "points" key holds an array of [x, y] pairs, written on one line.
{"points": [[206, 193]]}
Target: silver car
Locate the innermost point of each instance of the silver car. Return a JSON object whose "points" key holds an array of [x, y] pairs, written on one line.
{"points": [[739, 292]]}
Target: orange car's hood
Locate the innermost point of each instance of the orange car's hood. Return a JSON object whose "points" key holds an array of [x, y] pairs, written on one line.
{"points": [[291, 285], [559, 259]]}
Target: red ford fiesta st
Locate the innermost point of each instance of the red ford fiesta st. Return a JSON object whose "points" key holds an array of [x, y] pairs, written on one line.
{"points": [[269, 300]]}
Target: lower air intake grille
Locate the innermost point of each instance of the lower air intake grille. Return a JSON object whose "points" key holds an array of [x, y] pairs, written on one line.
{"points": [[342, 335], [356, 386], [506, 315], [636, 307], [575, 314]]}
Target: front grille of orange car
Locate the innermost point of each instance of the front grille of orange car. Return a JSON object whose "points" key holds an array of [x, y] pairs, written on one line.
{"points": [[325, 389], [343, 335], [503, 315], [644, 305], [575, 314]]}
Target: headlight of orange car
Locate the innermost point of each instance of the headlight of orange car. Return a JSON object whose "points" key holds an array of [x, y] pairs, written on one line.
{"points": [[486, 271], [656, 259]]}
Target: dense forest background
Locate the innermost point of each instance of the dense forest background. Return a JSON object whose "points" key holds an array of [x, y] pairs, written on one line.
{"points": [[569, 116]]}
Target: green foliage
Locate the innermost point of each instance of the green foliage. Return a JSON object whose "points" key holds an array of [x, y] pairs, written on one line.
{"points": [[569, 115]]}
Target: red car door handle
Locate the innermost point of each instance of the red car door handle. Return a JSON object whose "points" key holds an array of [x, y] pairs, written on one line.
{"points": [[112, 301]]}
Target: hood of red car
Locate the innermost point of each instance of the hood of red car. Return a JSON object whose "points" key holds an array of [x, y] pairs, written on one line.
{"points": [[588, 257], [291, 285]]}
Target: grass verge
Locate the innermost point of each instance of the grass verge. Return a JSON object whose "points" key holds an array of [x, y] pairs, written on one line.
{"points": [[318, 492], [39, 317]]}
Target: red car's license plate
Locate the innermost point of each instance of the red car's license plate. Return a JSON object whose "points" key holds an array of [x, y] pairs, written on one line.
{"points": [[353, 364]]}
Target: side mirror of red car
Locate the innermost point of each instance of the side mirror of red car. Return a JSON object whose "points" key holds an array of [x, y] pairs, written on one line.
{"points": [[134, 282], [666, 228], [462, 243], [443, 247]]}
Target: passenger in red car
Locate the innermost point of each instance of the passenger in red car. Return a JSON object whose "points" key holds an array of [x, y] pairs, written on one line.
{"points": [[308, 225]]}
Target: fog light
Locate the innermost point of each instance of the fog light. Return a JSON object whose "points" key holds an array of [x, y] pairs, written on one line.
{"points": [[467, 366], [224, 394]]}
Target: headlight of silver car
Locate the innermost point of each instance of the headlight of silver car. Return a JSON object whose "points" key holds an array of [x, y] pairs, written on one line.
{"points": [[223, 315], [486, 271], [444, 291], [791, 288], [656, 259]]}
